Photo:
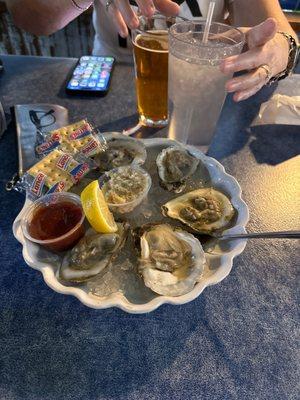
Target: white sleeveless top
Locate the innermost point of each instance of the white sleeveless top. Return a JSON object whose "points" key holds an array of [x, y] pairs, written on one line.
{"points": [[107, 41]]}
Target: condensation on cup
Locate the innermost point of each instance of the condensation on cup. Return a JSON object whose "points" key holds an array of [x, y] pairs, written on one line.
{"points": [[196, 84]]}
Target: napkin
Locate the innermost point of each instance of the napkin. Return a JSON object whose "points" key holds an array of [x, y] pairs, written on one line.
{"points": [[279, 109], [284, 106]]}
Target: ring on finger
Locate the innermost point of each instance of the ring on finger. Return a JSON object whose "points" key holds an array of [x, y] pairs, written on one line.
{"points": [[267, 70], [108, 3]]}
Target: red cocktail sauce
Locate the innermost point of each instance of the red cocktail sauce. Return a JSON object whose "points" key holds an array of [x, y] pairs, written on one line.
{"points": [[52, 221]]}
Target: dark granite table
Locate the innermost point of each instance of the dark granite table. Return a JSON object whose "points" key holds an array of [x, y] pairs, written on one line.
{"points": [[238, 340]]}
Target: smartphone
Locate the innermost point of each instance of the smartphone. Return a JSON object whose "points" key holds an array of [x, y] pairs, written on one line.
{"points": [[91, 76]]}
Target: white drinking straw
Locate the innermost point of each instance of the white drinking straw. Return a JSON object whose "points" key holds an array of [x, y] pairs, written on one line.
{"points": [[208, 21]]}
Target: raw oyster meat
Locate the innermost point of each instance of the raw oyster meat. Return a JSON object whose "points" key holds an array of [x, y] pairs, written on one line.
{"points": [[175, 164], [172, 260], [92, 254], [121, 151], [205, 210]]}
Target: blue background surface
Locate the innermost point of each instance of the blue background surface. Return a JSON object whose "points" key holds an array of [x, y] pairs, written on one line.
{"points": [[238, 340]]}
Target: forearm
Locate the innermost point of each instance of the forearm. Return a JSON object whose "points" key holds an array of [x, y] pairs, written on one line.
{"points": [[43, 17], [251, 13]]}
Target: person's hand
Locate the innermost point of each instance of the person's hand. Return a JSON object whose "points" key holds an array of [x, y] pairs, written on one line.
{"points": [[265, 47], [124, 17]]}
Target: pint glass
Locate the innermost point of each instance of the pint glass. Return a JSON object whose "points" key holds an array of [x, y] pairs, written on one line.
{"points": [[150, 45]]}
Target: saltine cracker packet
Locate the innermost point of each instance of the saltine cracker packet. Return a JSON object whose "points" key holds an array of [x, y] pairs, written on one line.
{"points": [[78, 137], [56, 172]]}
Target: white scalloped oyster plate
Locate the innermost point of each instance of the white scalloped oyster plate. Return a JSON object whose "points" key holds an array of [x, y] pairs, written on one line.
{"points": [[219, 262]]}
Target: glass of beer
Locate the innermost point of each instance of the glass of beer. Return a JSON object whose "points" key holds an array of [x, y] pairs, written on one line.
{"points": [[150, 45]]}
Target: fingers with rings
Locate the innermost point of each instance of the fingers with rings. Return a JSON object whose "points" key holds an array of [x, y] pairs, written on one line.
{"points": [[260, 75], [250, 83], [267, 70]]}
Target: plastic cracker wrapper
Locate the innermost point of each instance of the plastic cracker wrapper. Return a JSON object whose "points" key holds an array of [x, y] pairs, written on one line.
{"points": [[56, 172], [78, 137], [280, 109]]}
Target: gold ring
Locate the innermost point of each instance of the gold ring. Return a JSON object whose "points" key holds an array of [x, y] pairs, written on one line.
{"points": [[267, 70], [108, 3]]}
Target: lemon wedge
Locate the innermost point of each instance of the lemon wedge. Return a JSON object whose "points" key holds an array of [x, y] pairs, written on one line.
{"points": [[96, 209]]}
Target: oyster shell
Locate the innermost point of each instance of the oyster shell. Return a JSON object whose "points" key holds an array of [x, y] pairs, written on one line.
{"points": [[205, 210], [121, 151], [175, 164], [172, 260], [91, 255]]}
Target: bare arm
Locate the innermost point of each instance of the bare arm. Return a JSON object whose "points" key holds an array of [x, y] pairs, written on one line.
{"points": [[43, 17], [253, 12]]}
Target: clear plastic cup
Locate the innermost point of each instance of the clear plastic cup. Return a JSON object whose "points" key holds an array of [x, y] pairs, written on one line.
{"points": [[61, 242], [129, 206], [196, 84]]}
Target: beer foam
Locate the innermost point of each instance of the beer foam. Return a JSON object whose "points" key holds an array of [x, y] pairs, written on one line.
{"points": [[159, 37]]}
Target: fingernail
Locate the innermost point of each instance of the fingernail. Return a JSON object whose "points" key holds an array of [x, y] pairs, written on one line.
{"points": [[134, 23], [232, 87], [228, 65], [148, 11], [152, 9], [229, 89], [240, 97]]}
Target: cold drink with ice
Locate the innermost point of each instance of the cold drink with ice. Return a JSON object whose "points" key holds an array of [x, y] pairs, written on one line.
{"points": [[196, 84]]}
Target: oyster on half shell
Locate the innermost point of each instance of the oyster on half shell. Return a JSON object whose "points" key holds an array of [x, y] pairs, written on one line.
{"points": [[172, 260], [121, 151], [205, 210], [175, 164], [92, 254]]}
